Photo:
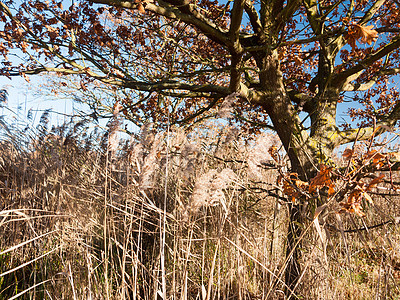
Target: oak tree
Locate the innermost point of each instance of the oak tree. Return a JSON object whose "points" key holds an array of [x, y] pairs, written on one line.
{"points": [[288, 65]]}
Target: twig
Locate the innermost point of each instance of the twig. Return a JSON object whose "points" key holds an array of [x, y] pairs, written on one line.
{"points": [[395, 221]]}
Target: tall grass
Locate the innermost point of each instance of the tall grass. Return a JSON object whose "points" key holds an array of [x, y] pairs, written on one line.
{"points": [[176, 215]]}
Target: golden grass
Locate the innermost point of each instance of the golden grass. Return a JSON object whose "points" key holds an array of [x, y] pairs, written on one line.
{"points": [[197, 217]]}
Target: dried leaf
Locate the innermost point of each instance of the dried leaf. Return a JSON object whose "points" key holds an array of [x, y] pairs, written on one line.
{"points": [[282, 53], [140, 8], [298, 61], [83, 86], [322, 179], [368, 34], [377, 159], [25, 77], [367, 197], [331, 190], [352, 208], [395, 155], [348, 154], [292, 186], [374, 182], [357, 209], [365, 34], [273, 151]]}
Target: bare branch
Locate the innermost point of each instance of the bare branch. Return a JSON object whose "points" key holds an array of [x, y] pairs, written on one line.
{"points": [[286, 13], [169, 85], [341, 78], [352, 87], [387, 29], [367, 133], [236, 19], [371, 11], [253, 16], [186, 95], [198, 113], [313, 15]]}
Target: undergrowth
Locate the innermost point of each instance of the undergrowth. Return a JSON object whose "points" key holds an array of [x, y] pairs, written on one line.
{"points": [[180, 215]]}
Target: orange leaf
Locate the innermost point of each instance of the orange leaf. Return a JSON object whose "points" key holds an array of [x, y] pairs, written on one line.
{"points": [[352, 208], [374, 182], [376, 158], [282, 53], [355, 196], [273, 151], [366, 34], [357, 209], [322, 179], [298, 61], [292, 186], [331, 190], [25, 77], [140, 7]]}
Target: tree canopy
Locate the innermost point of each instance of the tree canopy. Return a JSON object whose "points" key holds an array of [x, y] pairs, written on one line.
{"points": [[272, 62]]}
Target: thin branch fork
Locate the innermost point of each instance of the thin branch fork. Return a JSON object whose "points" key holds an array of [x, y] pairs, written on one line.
{"points": [[395, 221]]}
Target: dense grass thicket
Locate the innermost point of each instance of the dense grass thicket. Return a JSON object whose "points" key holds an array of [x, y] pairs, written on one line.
{"points": [[180, 215]]}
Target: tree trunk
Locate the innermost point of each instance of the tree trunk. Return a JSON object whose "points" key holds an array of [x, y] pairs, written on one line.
{"points": [[293, 255], [306, 149]]}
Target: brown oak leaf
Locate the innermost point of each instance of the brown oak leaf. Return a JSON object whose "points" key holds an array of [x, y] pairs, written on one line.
{"points": [[322, 179], [365, 34]]}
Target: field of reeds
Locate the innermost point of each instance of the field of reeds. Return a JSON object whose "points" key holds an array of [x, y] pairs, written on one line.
{"points": [[174, 215]]}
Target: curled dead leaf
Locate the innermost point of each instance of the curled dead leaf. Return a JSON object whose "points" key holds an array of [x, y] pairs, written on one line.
{"points": [[365, 34], [273, 151], [322, 179], [140, 8], [347, 154], [292, 186]]}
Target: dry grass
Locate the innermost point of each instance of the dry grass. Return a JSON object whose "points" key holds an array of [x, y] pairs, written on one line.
{"points": [[174, 215]]}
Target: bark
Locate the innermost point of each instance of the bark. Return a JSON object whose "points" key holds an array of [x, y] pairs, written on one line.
{"points": [[306, 149], [293, 253], [296, 141]]}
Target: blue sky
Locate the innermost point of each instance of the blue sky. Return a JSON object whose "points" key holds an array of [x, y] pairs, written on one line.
{"points": [[24, 96]]}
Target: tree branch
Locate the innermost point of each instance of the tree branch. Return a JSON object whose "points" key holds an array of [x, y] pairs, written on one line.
{"points": [[236, 19], [313, 15], [302, 100], [253, 96], [341, 78], [179, 10], [253, 16], [198, 113], [395, 221], [235, 48], [371, 11], [286, 13], [352, 87], [362, 134], [217, 90]]}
